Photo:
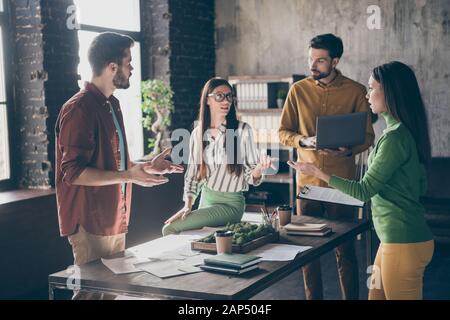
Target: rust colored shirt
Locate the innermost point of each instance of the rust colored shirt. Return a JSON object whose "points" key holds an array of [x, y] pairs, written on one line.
{"points": [[308, 99], [86, 136]]}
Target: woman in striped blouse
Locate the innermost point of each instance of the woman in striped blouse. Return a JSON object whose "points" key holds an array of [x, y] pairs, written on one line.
{"points": [[223, 161]]}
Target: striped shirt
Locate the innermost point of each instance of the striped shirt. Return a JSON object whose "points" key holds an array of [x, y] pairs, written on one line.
{"points": [[218, 177]]}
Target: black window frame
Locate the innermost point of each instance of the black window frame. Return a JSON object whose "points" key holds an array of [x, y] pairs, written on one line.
{"points": [[8, 53], [136, 35]]}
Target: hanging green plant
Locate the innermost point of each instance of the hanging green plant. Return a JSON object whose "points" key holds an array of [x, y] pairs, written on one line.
{"points": [[157, 106]]}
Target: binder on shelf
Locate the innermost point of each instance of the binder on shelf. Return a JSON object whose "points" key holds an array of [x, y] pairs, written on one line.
{"points": [[328, 195]]}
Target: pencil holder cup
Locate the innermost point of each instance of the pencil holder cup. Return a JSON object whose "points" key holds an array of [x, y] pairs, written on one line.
{"points": [[276, 223]]}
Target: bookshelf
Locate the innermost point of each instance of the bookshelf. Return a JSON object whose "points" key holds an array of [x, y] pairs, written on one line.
{"points": [[257, 105]]}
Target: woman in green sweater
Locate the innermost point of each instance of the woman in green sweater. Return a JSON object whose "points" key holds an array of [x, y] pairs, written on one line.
{"points": [[394, 181]]}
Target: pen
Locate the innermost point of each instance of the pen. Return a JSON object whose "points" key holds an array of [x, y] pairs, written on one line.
{"points": [[264, 215], [274, 214], [267, 214]]}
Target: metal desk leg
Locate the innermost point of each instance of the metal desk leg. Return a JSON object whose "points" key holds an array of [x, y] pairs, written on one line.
{"points": [[368, 239], [369, 246], [51, 292]]}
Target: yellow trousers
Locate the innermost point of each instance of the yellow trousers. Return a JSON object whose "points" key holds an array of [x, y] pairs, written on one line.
{"points": [[397, 273], [87, 247]]}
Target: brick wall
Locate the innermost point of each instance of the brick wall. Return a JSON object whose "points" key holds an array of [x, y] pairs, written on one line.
{"points": [[177, 46], [46, 62], [60, 46], [192, 53], [180, 49], [31, 112]]}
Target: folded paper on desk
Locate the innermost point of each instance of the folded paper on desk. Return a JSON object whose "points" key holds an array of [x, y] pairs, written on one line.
{"points": [[279, 251], [160, 246], [123, 265], [167, 268], [328, 195]]}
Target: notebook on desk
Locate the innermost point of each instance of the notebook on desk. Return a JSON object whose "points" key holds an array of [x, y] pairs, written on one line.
{"points": [[307, 229]]}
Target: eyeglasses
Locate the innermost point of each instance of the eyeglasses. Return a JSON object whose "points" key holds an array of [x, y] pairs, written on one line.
{"points": [[219, 97]]}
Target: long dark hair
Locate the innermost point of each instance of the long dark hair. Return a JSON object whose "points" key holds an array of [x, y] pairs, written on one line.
{"points": [[404, 102], [204, 121]]}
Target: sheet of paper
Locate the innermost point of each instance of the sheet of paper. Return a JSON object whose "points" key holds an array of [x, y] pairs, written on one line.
{"points": [[201, 233], [252, 217], [278, 251], [178, 254], [167, 268], [330, 195], [123, 265], [155, 248], [197, 260]]}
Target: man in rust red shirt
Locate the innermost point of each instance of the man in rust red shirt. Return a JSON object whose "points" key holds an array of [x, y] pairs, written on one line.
{"points": [[94, 174]]}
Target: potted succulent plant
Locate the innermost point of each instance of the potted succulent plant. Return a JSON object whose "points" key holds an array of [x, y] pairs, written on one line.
{"points": [[157, 105], [281, 96]]}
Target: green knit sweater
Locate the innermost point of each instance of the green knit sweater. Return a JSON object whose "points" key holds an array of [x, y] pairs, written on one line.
{"points": [[394, 181]]}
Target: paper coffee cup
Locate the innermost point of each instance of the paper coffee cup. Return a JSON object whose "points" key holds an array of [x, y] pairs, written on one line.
{"points": [[284, 213], [224, 241]]}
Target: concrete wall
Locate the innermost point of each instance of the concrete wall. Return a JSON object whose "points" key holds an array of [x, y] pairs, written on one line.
{"points": [[257, 37]]}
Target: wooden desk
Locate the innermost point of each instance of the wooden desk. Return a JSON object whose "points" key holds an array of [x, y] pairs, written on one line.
{"points": [[95, 276]]}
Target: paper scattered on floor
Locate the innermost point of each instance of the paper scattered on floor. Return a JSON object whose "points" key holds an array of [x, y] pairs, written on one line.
{"points": [[278, 251]]}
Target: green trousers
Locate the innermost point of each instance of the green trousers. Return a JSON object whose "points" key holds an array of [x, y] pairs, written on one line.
{"points": [[215, 209]]}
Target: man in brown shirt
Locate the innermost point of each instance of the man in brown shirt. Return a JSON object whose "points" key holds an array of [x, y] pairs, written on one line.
{"points": [[326, 92], [94, 173]]}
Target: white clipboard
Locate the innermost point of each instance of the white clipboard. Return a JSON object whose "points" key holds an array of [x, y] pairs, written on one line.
{"points": [[328, 195]]}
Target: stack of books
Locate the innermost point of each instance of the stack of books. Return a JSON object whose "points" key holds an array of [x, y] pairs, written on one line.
{"points": [[234, 263], [307, 229]]}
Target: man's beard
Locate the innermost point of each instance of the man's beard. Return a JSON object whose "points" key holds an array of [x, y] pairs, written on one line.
{"points": [[120, 81], [322, 75]]}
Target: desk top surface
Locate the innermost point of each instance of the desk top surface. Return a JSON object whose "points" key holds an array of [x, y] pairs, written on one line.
{"points": [[206, 285]]}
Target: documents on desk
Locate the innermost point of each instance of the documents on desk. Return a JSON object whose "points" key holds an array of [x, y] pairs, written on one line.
{"points": [[163, 257], [124, 264], [171, 256], [252, 217], [167, 268], [201, 233], [279, 251], [155, 248]]}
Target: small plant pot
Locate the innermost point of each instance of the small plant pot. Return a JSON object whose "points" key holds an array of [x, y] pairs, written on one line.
{"points": [[280, 103]]}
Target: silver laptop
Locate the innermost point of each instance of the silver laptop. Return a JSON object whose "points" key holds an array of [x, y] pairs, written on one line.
{"points": [[343, 130]]}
